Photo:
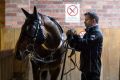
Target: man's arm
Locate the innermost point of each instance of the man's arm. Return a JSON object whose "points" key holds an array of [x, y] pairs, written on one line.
{"points": [[79, 43]]}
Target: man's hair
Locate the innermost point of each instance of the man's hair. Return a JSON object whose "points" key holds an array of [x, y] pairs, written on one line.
{"points": [[93, 15]]}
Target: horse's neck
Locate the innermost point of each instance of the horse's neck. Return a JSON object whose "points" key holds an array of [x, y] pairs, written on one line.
{"points": [[52, 41], [54, 34]]}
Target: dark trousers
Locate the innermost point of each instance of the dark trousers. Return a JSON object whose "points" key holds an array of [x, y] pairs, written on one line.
{"points": [[90, 76]]}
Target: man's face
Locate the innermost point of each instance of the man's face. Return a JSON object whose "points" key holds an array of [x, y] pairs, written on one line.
{"points": [[88, 21]]}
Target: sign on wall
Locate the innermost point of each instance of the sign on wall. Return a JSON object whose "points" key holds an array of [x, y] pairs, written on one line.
{"points": [[72, 13]]}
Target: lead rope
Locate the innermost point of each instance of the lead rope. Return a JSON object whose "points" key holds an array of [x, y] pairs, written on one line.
{"points": [[64, 61], [30, 73], [73, 62]]}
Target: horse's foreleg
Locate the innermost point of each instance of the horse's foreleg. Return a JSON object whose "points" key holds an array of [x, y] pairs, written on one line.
{"points": [[44, 75], [55, 73], [36, 71]]}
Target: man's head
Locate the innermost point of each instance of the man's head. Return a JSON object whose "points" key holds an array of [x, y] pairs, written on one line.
{"points": [[91, 19]]}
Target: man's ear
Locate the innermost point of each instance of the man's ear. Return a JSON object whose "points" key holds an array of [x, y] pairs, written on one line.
{"points": [[94, 21]]}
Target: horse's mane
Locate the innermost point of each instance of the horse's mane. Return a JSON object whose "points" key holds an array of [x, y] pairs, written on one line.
{"points": [[54, 20]]}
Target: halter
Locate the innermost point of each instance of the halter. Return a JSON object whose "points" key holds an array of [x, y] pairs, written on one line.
{"points": [[34, 39]]}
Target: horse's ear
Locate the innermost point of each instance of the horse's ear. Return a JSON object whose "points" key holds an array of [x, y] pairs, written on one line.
{"points": [[35, 11], [25, 12]]}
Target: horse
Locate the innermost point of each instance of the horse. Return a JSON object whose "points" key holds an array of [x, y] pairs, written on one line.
{"points": [[43, 38]]}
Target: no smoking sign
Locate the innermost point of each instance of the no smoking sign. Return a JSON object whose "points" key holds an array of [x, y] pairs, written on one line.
{"points": [[72, 10], [72, 13]]}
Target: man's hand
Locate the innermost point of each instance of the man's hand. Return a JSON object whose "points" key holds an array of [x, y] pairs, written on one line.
{"points": [[70, 33]]}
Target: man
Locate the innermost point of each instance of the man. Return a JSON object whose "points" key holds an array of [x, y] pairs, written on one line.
{"points": [[90, 47]]}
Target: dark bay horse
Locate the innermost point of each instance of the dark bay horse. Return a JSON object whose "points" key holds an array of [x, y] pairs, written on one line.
{"points": [[41, 37]]}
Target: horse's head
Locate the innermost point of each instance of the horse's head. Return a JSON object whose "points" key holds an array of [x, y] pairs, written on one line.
{"points": [[32, 33]]}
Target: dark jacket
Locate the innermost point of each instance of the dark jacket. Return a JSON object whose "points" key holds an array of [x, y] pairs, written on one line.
{"points": [[90, 47]]}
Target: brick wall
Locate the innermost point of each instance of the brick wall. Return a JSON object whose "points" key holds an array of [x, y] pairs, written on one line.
{"points": [[14, 15], [2, 13], [108, 11]]}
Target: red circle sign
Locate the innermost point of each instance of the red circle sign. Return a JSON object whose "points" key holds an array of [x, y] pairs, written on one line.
{"points": [[72, 10]]}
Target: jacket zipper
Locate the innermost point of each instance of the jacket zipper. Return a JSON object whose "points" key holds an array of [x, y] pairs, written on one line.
{"points": [[90, 60]]}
